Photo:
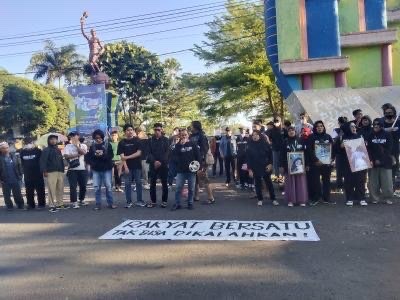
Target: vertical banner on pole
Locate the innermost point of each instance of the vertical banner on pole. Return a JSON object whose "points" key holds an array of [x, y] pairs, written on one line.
{"points": [[90, 108]]}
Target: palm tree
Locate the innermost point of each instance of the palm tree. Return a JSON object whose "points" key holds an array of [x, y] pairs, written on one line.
{"points": [[54, 63]]}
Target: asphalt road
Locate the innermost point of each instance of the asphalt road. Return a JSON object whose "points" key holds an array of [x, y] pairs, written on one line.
{"points": [[59, 256]]}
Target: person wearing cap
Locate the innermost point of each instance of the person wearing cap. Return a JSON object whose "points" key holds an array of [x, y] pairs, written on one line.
{"points": [[52, 167], [77, 175], [11, 176], [157, 158], [379, 146], [33, 178], [228, 150]]}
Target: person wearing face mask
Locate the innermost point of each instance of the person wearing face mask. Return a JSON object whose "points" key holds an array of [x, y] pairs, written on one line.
{"points": [[379, 145], [319, 170], [391, 124], [259, 165], [354, 182], [30, 158], [295, 185]]}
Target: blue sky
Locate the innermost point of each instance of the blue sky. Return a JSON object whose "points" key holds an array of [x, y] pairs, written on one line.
{"points": [[26, 16]]}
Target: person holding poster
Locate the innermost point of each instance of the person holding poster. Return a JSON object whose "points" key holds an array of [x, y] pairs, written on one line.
{"points": [[295, 184], [259, 165], [379, 147], [321, 156], [185, 153], [355, 170]]}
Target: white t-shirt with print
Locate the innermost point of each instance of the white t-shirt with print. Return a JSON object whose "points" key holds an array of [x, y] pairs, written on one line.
{"points": [[71, 149]]}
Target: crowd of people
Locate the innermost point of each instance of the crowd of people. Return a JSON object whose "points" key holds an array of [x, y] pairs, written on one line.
{"points": [[300, 158]]}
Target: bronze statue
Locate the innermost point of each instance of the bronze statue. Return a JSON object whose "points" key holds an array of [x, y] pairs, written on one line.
{"points": [[95, 46]]}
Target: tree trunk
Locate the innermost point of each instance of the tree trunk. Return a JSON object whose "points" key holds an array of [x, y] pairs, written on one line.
{"points": [[269, 98]]}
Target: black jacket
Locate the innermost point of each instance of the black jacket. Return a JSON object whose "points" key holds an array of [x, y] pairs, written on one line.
{"points": [[318, 139], [379, 146], [184, 154], [201, 141], [51, 160], [30, 159], [276, 136], [103, 162], [258, 156], [242, 144], [294, 144], [158, 150]]}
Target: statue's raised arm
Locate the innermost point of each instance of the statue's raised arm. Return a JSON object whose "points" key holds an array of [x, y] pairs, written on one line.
{"points": [[84, 16]]}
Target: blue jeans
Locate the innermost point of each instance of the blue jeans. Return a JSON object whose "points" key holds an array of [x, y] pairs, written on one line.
{"points": [[180, 181], [100, 178], [135, 174]]}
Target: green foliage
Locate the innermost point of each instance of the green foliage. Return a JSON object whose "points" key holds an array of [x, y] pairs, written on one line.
{"points": [[25, 105], [134, 73], [56, 63], [245, 82], [61, 100]]}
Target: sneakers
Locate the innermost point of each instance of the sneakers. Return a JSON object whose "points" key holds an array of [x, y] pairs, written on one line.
{"points": [[112, 206], [238, 185], [82, 203], [176, 207], [349, 203], [97, 207], [227, 184], [375, 201], [146, 186], [129, 205], [302, 204], [332, 202], [314, 203], [62, 207], [363, 203], [140, 204], [75, 205], [275, 203], [190, 206], [52, 209], [389, 202], [259, 203], [290, 204]]}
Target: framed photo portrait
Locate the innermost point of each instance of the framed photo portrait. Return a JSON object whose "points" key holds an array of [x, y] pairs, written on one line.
{"points": [[357, 155], [324, 153], [296, 163]]}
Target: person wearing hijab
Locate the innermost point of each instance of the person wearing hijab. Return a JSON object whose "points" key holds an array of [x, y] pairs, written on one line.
{"points": [[320, 170], [295, 184], [259, 165], [354, 182]]}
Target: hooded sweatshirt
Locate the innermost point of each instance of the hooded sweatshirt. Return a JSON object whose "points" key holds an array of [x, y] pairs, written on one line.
{"points": [[319, 139], [51, 159], [379, 145], [30, 158]]}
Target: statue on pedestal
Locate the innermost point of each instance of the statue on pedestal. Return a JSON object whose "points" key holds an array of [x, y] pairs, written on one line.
{"points": [[95, 46]]}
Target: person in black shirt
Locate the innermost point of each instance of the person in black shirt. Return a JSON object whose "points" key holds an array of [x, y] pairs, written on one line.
{"points": [[276, 137], [130, 150], [183, 154], [365, 127], [391, 124], [158, 152], [357, 114], [214, 145], [379, 145], [33, 178], [242, 142]]}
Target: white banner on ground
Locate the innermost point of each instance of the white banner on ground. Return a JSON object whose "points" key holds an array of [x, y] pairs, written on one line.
{"points": [[215, 230]]}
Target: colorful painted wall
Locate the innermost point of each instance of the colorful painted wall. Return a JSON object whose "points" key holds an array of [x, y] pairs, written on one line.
{"points": [[318, 44]]}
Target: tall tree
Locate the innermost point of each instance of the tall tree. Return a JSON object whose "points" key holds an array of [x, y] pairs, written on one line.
{"points": [[57, 63], [25, 105], [134, 74], [245, 81]]}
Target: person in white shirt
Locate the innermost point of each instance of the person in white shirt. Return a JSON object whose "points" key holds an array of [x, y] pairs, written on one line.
{"points": [[77, 175]]}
